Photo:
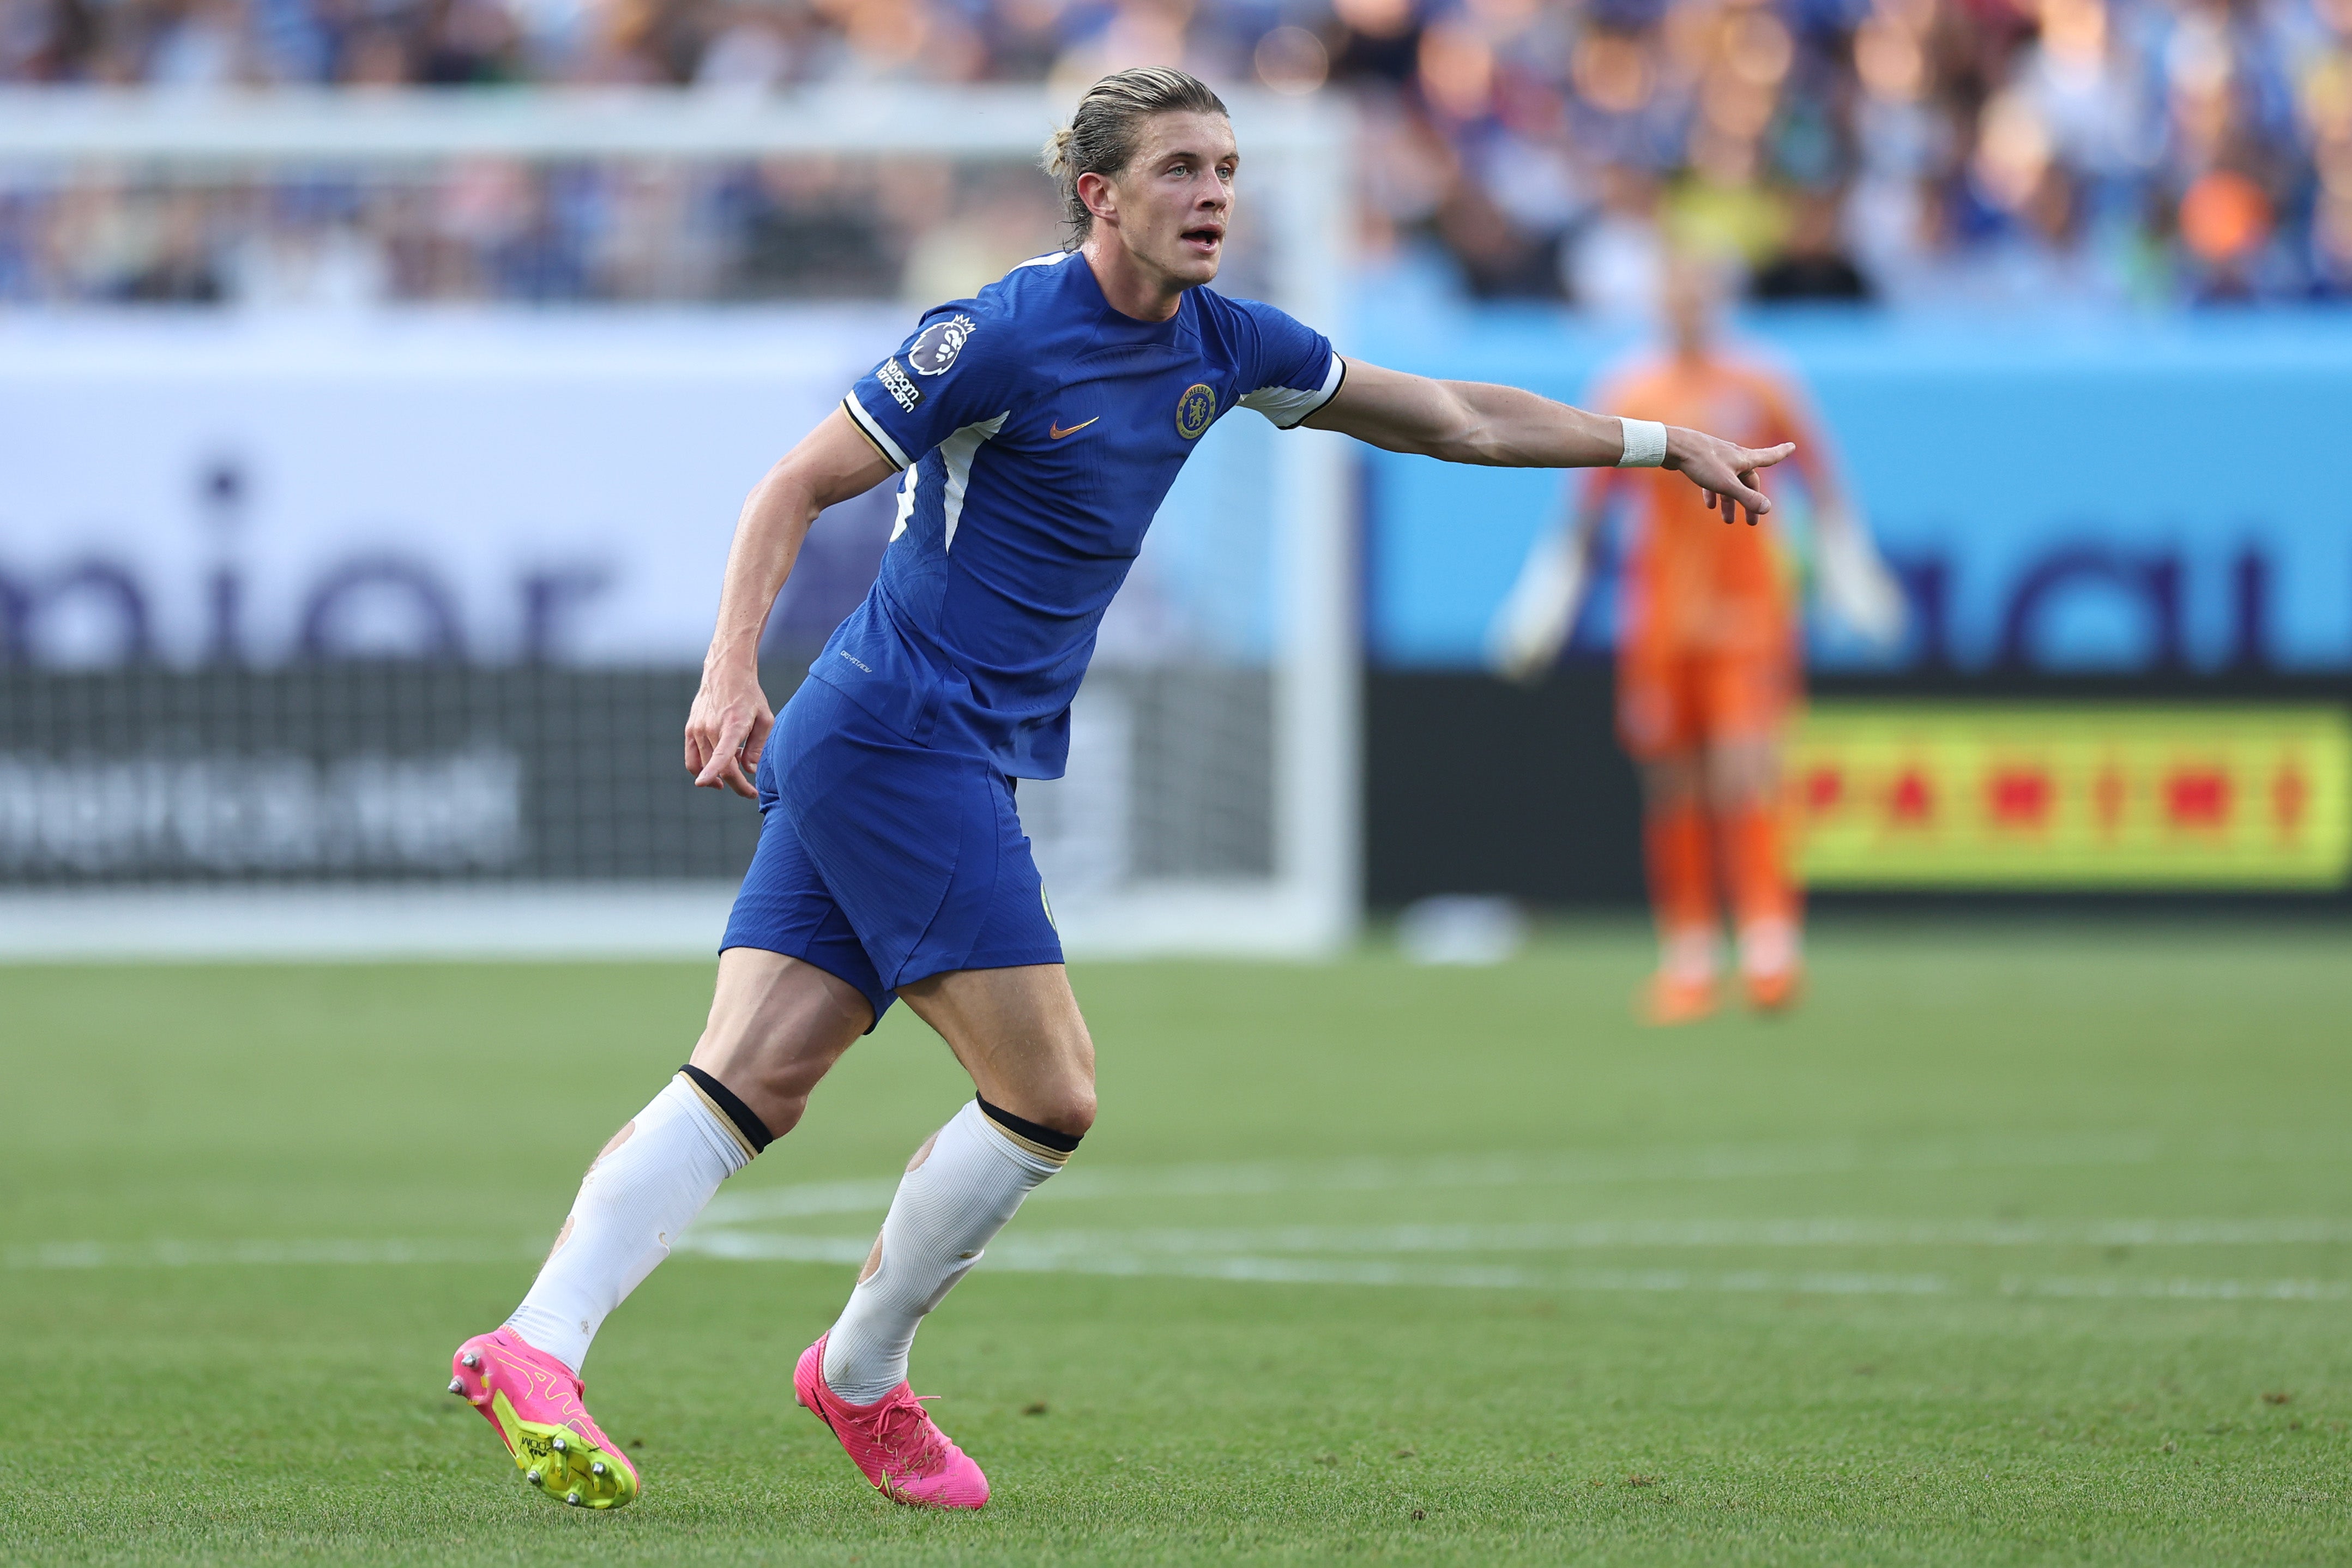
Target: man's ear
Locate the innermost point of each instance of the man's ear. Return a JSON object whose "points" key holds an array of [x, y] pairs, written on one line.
{"points": [[1100, 196]]}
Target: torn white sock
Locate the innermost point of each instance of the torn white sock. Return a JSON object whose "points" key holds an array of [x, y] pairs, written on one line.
{"points": [[957, 1193], [639, 1196]]}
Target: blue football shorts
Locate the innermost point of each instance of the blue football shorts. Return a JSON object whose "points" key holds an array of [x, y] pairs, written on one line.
{"points": [[884, 862]]}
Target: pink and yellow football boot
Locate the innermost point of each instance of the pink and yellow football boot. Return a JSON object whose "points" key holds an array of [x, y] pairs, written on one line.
{"points": [[532, 1400], [892, 1441]]}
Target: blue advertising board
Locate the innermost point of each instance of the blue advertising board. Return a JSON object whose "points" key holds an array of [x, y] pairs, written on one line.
{"points": [[2117, 494]]}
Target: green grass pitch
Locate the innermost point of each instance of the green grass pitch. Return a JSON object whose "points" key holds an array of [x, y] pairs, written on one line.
{"points": [[2018, 1244]]}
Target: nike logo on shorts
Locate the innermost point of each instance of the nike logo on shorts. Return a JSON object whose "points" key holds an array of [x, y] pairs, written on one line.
{"points": [[1056, 432]]}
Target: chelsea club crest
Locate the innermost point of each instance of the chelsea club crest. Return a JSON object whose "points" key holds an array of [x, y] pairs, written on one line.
{"points": [[1195, 410]]}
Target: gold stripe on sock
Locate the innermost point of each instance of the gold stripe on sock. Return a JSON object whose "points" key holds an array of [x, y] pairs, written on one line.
{"points": [[1027, 1146], [718, 1114]]}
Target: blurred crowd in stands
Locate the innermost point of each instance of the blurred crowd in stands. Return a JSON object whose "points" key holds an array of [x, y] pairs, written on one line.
{"points": [[2001, 153]]}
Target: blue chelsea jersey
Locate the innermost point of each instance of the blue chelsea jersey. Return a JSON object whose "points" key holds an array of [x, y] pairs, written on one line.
{"points": [[1039, 430]]}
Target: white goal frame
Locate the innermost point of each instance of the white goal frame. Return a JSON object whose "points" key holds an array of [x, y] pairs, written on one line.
{"points": [[1300, 184]]}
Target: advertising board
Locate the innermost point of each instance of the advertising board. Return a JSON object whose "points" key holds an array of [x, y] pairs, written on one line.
{"points": [[2044, 796]]}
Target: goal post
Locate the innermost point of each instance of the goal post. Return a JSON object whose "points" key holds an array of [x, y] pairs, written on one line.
{"points": [[1212, 801]]}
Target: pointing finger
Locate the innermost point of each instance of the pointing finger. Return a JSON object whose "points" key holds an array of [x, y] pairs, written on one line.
{"points": [[1767, 456]]}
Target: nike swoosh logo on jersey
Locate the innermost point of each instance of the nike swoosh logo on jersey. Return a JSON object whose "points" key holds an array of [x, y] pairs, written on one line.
{"points": [[1056, 432]]}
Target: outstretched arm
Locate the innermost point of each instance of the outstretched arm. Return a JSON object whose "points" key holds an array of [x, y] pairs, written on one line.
{"points": [[731, 718], [1504, 427]]}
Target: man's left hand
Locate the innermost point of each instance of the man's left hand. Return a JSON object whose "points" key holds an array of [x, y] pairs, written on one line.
{"points": [[1725, 470]]}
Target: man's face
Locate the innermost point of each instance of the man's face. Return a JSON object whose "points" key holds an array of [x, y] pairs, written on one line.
{"points": [[1690, 295], [1175, 198]]}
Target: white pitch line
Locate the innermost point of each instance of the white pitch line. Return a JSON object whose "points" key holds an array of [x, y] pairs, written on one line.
{"points": [[2184, 1289], [1020, 1257], [1050, 1259], [802, 1201], [1075, 1248], [216, 1254], [1703, 1163], [1621, 1235], [1023, 1257], [1308, 1271], [1667, 1281], [757, 1247]]}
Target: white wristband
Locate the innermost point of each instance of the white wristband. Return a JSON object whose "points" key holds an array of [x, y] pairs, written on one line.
{"points": [[1645, 444]]}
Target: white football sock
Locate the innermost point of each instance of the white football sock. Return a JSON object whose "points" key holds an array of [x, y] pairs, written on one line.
{"points": [[1769, 947], [955, 1197], [633, 1204], [1690, 955]]}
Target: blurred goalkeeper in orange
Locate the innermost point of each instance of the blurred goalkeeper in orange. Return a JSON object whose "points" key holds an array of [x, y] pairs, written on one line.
{"points": [[1710, 661]]}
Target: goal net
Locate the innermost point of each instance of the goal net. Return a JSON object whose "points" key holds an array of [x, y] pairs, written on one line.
{"points": [[368, 584]]}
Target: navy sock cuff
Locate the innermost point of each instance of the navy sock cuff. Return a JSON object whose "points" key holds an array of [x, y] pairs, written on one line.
{"points": [[1060, 1142], [755, 1130]]}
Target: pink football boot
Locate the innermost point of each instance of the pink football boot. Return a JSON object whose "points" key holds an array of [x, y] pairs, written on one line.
{"points": [[532, 1400], [892, 1441]]}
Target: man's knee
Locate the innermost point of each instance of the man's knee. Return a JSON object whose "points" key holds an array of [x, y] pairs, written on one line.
{"points": [[778, 1086], [1070, 1108], [1072, 1090], [771, 1073], [776, 1027], [1059, 1095]]}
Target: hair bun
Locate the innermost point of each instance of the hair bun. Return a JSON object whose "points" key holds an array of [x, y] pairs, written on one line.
{"points": [[1056, 155]]}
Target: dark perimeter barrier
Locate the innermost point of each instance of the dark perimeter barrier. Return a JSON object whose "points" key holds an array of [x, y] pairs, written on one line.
{"points": [[357, 772], [333, 771]]}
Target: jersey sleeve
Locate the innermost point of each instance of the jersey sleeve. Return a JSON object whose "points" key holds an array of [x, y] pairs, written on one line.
{"points": [[1294, 372], [956, 369]]}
